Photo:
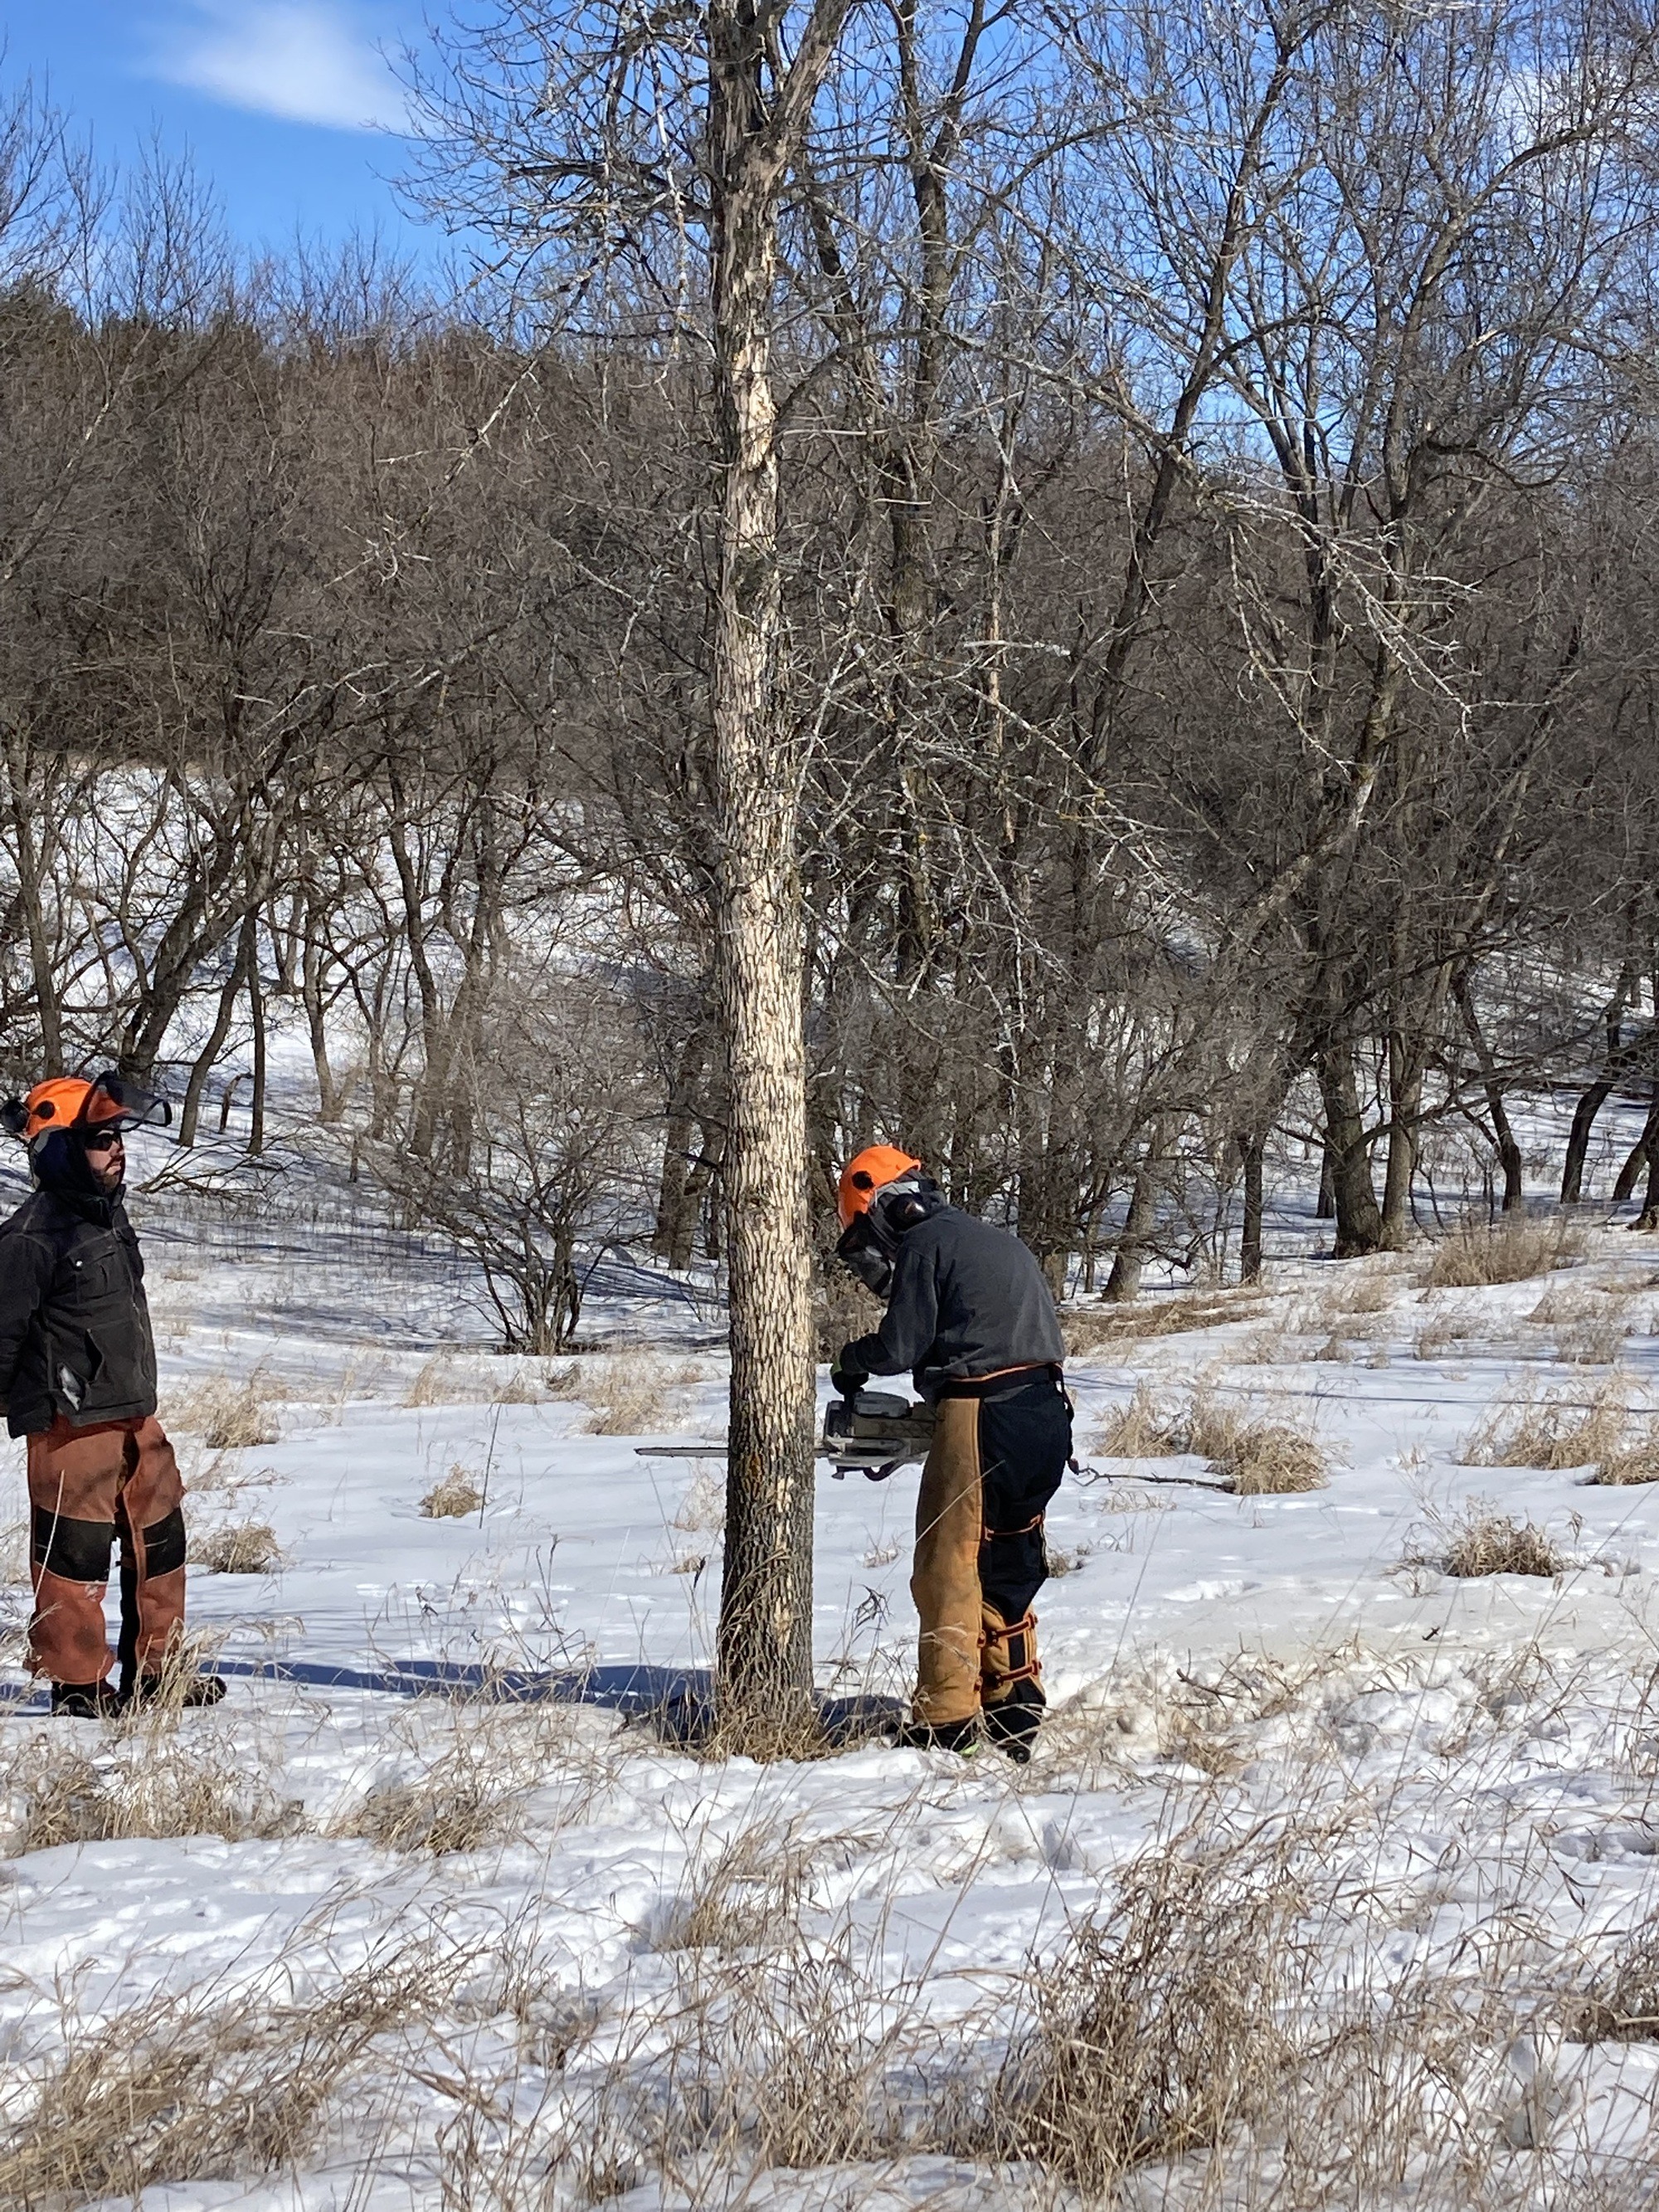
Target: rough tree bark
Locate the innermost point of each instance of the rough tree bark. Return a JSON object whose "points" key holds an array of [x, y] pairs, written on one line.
{"points": [[756, 119]]}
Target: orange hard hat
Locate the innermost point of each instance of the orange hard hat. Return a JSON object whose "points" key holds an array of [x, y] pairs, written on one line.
{"points": [[866, 1173], [73, 1102], [61, 1102]]}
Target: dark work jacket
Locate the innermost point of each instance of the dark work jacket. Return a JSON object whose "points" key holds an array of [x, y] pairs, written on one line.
{"points": [[75, 1334], [966, 1300]]}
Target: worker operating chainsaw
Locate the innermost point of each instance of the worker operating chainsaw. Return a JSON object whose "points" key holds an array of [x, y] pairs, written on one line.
{"points": [[969, 1315]]}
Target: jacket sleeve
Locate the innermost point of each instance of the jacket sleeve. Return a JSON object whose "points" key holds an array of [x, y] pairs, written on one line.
{"points": [[910, 1323], [27, 1264]]}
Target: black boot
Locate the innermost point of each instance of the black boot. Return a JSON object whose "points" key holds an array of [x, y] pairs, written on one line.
{"points": [[85, 1701], [158, 1690], [949, 1735], [1011, 1724]]}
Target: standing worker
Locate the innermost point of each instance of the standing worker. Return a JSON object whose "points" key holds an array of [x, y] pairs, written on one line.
{"points": [[970, 1315], [78, 1378]]}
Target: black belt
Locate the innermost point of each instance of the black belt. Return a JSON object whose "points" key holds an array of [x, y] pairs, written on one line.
{"points": [[1005, 1379]]}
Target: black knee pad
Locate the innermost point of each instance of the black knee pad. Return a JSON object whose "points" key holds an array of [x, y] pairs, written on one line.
{"points": [[78, 1550], [164, 1544]]}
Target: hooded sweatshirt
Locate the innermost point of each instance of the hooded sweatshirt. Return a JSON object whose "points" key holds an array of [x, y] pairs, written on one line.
{"points": [[74, 1332], [968, 1300]]}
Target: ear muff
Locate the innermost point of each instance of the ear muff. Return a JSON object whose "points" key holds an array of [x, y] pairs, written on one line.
{"points": [[14, 1117]]}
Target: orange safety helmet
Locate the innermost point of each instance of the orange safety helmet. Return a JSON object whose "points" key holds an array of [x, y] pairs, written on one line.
{"points": [[866, 1173], [74, 1101]]}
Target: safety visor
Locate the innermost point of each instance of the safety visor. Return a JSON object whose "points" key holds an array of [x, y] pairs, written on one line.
{"points": [[116, 1101]]}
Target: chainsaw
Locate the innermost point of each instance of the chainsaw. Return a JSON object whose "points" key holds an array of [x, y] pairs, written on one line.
{"points": [[875, 1433]]}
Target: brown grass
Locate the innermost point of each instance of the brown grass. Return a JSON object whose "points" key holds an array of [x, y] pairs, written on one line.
{"points": [[1257, 1457], [227, 1416], [1483, 1541], [152, 1781], [635, 1399], [189, 2088], [1161, 2030], [1148, 1428], [454, 1497], [1509, 1250], [495, 1762], [239, 1547], [1557, 1430], [1091, 1327]]}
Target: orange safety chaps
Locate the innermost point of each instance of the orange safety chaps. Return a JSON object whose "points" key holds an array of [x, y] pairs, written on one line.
{"points": [[85, 1487]]}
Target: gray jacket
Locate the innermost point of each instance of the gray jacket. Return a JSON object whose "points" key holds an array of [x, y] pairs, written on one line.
{"points": [[966, 1300]]}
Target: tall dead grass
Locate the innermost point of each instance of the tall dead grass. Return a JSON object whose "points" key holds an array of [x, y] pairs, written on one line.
{"points": [[226, 1415], [237, 1548], [495, 1769], [1560, 1429], [195, 2089], [149, 1782], [1509, 1250], [1089, 1328], [1257, 1455]]}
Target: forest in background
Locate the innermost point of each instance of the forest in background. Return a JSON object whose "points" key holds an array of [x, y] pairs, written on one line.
{"points": [[1217, 501]]}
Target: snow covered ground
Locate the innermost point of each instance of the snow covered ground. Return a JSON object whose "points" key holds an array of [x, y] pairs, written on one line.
{"points": [[1331, 1883]]}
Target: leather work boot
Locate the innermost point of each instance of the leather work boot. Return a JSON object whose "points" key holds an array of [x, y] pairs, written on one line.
{"points": [[962, 1736], [85, 1701], [1012, 1723], [157, 1690]]}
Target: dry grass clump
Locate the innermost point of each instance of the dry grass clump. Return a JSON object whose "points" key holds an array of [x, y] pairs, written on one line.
{"points": [[1148, 1428], [1088, 1329], [1509, 1250], [185, 2089], [1256, 1458], [1554, 1431], [1450, 1335], [152, 1781], [226, 1417], [1161, 2029], [477, 1792], [1622, 2004], [239, 1547], [703, 1509], [1259, 1458], [1484, 1540], [634, 1401], [454, 1497]]}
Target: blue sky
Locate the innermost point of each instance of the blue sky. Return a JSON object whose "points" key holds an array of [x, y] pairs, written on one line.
{"points": [[275, 99]]}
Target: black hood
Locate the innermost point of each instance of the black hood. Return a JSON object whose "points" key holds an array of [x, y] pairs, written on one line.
{"points": [[869, 1247], [58, 1163]]}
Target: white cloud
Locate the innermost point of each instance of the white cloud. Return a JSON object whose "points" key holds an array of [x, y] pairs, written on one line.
{"points": [[304, 60]]}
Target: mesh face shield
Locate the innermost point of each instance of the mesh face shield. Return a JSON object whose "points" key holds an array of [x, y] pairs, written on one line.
{"points": [[116, 1101]]}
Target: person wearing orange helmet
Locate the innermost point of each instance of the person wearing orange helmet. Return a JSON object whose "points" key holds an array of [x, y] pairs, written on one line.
{"points": [[78, 1378], [970, 1315]]}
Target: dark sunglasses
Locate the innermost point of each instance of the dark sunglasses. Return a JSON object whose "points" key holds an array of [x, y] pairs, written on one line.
{"points": [[101, 1141]]}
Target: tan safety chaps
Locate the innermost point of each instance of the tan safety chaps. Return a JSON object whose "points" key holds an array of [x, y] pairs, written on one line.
{"points": [[996, 1461]]}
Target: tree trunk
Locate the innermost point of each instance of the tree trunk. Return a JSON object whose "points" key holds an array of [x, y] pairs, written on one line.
{"points": [[206, 1059], [255, 1006], [1596, 1097], [1325, 1204], [1642, 1154], [1404, 1104], [1252, 1154], [765, 1638], [1347, 1150], [1124, 1284], [1509, 1152], [676, 1203]]}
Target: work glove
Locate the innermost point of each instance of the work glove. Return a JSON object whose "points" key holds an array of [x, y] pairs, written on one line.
{"points": [[846, 1376]]}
